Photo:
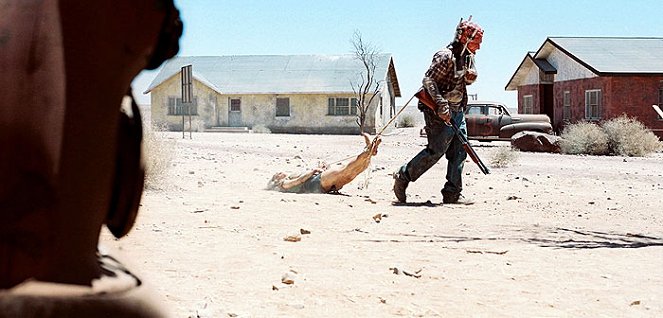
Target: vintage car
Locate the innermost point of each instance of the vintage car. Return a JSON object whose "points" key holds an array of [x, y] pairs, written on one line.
{"points": [[487, 121], [492, 121]]}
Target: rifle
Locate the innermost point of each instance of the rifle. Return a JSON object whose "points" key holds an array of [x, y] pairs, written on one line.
{"points": [[427, 100]]}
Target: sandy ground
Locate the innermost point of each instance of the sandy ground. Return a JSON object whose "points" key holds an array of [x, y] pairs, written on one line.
{"points": [[549, 236]]}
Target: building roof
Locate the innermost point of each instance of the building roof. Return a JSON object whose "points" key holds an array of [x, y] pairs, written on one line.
{"points": [[545, 66], [277, 74], [521, 72], [611, 56]]}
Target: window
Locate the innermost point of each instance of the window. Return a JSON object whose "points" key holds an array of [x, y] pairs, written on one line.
{"points": [[494, 111], [235, 105], [593, 104], [566, 106], [528, 104], [660, 102], [341, 106], [475, 110], [282, 107], [175, 106]]}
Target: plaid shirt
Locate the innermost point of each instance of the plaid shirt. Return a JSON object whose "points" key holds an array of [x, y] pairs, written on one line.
{"points": [[442, 71]]}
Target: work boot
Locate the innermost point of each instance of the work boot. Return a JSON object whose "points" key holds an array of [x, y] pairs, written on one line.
{"points": [[455, 198], [399, 187]]}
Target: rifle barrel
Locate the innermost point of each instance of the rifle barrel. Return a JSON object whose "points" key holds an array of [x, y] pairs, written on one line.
{"points": [[469, 150], [425, 98]]}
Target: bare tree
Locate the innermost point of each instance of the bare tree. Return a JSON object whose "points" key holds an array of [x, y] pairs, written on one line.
{"points": [[367, 86]]}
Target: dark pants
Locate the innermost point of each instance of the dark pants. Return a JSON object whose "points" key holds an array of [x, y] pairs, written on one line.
{"points": [[441, 141]]}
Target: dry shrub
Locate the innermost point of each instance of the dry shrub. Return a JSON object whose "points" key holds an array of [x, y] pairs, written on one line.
{"points": [[158, 155], [196, 124], [260, 129], [629, 137], [155, 127], [406, 121], [503, 157], [584, 138]]}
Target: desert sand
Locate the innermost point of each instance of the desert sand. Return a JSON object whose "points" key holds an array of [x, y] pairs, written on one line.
{"points": [[549, 236]]}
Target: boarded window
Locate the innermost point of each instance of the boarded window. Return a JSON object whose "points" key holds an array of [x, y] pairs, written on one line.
{"points": [[235, 105], [176, 107], [593, 104], [283, 107], [528, 104], [566, 106], [342, 106]]}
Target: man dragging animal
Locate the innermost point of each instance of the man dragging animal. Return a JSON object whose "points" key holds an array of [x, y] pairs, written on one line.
{"points": [[451, 70]]}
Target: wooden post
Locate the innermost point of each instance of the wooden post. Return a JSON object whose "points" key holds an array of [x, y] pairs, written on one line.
{"points": [[187, 95]]}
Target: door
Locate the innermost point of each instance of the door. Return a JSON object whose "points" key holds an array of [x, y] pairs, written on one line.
{"points": [[494, 114], [483, 120], [235, 113], [474, 119], [548, 102]]}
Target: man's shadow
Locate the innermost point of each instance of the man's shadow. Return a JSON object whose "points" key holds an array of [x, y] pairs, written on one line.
{"points": [[417, 204]]}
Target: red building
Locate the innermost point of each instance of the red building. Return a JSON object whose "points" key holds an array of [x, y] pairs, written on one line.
{"points": [[592, 78]]}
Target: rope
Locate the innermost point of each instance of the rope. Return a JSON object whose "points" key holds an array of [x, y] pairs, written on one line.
{"points": [[381, 131], [395, 116]]}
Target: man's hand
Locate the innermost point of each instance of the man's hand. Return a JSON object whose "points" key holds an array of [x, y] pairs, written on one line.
{"points": [[443, 111]]}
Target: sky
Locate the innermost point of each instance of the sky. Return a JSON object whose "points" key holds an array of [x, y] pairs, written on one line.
{"points": [[411, 30]]}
